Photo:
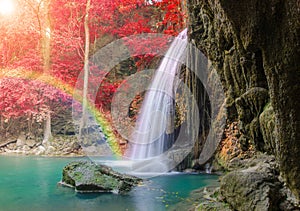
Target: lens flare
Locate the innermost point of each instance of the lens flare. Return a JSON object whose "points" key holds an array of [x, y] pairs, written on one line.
{"points": [[7, 7]]}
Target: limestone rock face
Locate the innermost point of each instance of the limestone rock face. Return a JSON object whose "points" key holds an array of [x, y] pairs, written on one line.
{"points": [[86, 176], [249, 106], [254, 46], [253, 187], [267, 127]]}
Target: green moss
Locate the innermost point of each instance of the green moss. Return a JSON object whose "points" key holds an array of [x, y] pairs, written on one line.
{"points": [[213, 206], [78, 176], [88, 176]]}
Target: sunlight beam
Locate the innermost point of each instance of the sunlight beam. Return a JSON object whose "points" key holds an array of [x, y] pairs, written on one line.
{"points": [[7, 7]]}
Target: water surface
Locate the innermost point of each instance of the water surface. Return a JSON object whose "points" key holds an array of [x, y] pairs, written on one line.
{"points": [[30, 183]]}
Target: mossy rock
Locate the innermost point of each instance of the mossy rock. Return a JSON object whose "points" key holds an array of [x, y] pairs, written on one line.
{"points": [[213, 206], [86, 176], [253, 187], [267, 126]]}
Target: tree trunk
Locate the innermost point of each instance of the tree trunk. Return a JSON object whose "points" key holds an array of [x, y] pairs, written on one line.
{"points": [[46, 55], [86, 68], [46, 38], [47, 129]]}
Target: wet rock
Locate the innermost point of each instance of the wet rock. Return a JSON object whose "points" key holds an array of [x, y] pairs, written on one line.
{"points": [[255, 44], [86, 176], [20, 142], [23, 141], [267, 127], [204, 199], [39, 150], [50, 150], [25, 148], [12, 146], [253, 187], [212, 206], [251, 103], [30, 142], [249, 107], [95, 150]]}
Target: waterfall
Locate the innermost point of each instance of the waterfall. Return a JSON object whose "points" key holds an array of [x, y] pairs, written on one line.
{"points": [[154, 130], [208, 168]]}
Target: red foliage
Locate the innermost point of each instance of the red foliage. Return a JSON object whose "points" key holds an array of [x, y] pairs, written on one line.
{"points": [[23, 97], [21, 43], [173, 20]]}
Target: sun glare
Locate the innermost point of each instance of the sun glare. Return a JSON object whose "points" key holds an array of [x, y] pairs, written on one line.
{"points": [[7, 7]]}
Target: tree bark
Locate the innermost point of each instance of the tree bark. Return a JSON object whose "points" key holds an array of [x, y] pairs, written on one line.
{"points": [[47, 129], [86, 68], [46, 38], [46, 55]]}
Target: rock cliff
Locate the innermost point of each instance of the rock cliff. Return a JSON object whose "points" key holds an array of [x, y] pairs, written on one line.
{"points": [[254, 46]]}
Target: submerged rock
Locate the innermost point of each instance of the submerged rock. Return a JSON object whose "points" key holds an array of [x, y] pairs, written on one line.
{"points": [[86, 176]]}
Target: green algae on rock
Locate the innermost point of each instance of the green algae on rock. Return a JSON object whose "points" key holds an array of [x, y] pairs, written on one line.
{"points": [[87, 176]]}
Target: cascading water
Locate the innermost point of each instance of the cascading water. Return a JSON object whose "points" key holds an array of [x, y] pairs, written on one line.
{"points": [[154, 131]]}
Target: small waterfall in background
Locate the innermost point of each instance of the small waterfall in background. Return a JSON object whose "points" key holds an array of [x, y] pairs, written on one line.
{"points": [[154, 130], [208, 168]]}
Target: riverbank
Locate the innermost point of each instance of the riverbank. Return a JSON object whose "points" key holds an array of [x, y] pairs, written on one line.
{"points": [[238, 181], [59, 146]]}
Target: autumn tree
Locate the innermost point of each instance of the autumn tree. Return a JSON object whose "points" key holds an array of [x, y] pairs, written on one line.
{"points": [[57, 37]]}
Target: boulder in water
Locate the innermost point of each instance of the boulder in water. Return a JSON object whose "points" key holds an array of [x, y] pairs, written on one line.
{"points": [[86, 176]]}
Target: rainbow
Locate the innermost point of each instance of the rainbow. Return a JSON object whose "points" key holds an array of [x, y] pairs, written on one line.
{"points": [[67, 89]]}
